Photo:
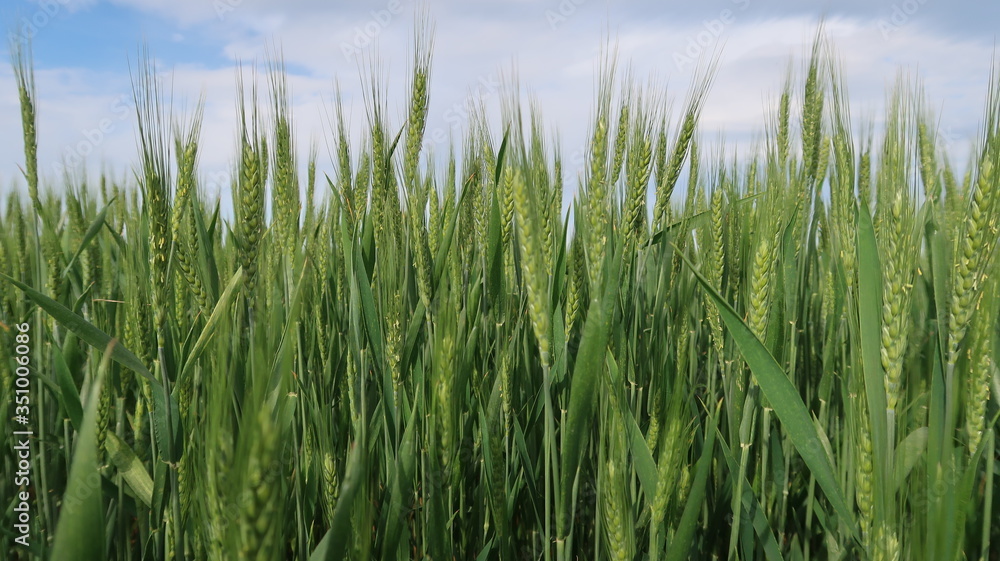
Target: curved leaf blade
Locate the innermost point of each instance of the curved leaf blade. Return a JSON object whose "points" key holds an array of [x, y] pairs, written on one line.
{"points": [[784, 399]]}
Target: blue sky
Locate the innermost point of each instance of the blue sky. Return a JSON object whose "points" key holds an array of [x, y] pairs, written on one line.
{"points": [[82, 50]]}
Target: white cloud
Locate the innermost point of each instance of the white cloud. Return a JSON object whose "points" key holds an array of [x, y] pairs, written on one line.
{"points": [[557, 67]]}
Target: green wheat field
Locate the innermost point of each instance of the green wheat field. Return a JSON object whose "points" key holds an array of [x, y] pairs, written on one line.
{"points": [[790, 354]]}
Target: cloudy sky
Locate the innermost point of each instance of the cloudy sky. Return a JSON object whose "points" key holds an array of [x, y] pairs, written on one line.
{"points": [[83, 48]]}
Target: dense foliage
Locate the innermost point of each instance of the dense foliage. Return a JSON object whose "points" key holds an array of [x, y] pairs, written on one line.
{"points": [[425, 357]]}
